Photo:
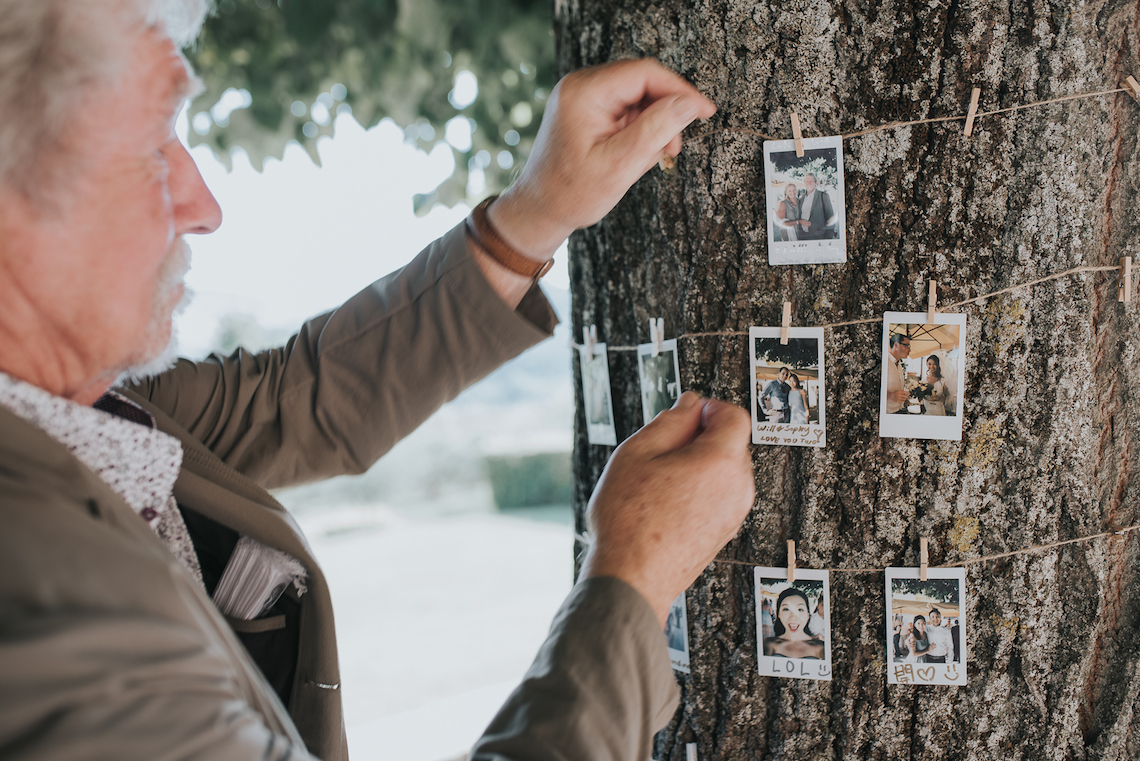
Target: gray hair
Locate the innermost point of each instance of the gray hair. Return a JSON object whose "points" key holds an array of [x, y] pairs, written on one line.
{"points": [[53, 53]]}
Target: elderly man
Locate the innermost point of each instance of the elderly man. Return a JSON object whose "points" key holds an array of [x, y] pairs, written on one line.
{"points": [[816, 212], [122, 508]]}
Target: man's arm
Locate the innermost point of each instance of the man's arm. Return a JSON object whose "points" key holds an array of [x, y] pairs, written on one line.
{"points": [[600, 688], [828, 210], [354, 381], [669, 499]]}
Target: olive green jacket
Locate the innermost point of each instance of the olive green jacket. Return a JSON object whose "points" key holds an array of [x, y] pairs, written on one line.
{"points": [[108, 648]]}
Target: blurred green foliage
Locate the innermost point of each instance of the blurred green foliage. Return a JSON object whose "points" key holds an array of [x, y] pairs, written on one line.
{"points": [[530, 480], [299, 61]]}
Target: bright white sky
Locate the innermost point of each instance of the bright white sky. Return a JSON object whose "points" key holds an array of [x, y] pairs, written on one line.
{"points": [[298, 239]]}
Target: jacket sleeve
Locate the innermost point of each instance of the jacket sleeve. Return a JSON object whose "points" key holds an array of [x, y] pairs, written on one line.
{"points": [[600, 688], [356, 380]]}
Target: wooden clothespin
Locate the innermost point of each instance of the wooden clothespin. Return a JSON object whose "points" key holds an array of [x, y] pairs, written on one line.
{"points": [[1124, 293], [791, 561], [932, 302], [977, 93], [797, 135], [787, 323], [656, 333], [1132, 83], [923, 559], [666, 162], [589, 338], [690, 752]]}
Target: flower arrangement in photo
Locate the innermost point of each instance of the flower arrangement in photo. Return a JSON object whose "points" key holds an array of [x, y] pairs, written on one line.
{"points": [[918, 389]]}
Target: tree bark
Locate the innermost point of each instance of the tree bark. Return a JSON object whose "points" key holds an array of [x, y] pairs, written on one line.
{"points": [[1052, 371]]}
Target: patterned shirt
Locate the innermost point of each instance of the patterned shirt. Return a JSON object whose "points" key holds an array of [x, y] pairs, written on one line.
{"points": [[137, 461]]}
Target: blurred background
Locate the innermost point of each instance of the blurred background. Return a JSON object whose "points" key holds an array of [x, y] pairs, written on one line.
{"points": [[340, 138]]}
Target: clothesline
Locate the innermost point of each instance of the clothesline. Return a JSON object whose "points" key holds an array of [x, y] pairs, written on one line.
{"points": [[931, 120], [585, 541], [968, 561], [871, 320]]}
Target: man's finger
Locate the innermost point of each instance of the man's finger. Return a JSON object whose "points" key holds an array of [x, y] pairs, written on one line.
{"points": [[638, 145], [645, 81], [727, 428], [672, 428]]}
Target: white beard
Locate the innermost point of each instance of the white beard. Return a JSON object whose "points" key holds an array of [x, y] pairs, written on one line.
{"points": [[159, 356]]}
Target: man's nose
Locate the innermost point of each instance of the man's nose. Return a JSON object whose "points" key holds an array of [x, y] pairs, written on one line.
{"points": [[196, 211]]}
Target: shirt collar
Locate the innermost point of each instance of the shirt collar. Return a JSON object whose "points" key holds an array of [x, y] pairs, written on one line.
{"points": [[137, 462]]}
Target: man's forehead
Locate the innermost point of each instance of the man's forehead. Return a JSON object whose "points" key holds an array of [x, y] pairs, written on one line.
{"points": [[171, 81]]}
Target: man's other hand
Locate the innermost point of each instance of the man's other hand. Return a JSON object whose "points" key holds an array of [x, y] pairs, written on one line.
{"points": [[603, 128], [670, 498]]}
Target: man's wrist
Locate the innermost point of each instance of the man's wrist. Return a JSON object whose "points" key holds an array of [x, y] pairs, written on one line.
{"points": [[594, 566], [525, 227]]}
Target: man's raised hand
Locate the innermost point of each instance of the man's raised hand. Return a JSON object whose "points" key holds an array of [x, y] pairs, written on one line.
{"points": [[670, 498], [603, 128]]}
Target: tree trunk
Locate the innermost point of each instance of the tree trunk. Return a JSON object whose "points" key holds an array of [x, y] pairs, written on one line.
{"points": [[1046, 452]]}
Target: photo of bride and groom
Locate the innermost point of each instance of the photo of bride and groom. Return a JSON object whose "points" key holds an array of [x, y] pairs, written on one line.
{"points": [[784, 398], [923, 366]]}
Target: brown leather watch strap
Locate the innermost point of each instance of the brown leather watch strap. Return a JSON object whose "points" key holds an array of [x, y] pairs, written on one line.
{"points": [[485, 236]]}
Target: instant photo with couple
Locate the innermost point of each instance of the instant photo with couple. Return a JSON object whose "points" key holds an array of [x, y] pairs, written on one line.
{"points": [[787, 387], [926, 640], [923, 376], [805, 201]]}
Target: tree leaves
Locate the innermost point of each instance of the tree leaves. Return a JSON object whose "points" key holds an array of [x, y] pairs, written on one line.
{"points": [[392, 60]]}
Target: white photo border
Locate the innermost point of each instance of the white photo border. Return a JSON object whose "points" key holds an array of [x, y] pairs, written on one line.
{"points": [[646, 350], [934, 673], [811, 435], [793, 668], [832, 251], [948, 428], [679, 658], [598, 433]]}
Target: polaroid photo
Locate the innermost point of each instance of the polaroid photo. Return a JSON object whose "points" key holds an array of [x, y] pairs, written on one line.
{"points": [[597, 397], [787, 387], [660, 377], [805, 220], [793, 633], [924, 372], [926, 626], [677, 634]]}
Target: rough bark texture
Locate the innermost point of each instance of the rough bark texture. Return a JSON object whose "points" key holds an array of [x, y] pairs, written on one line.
{"points": [[1048, 446]]}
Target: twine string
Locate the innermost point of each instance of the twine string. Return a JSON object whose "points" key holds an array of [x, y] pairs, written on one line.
{"points": [[930, 120], [968, 561], [870, 320]]}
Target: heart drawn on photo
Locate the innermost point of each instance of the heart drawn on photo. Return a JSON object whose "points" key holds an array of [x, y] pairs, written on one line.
{"points": [[926, 674]]}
